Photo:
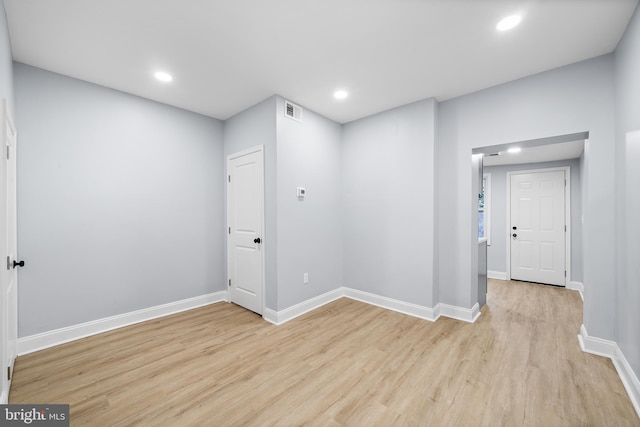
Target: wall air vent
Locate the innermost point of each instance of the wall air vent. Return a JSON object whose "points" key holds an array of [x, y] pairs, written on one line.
{"points": [[293, 111]]}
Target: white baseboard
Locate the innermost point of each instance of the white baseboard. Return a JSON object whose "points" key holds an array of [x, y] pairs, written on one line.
{"points": [[432, 314], [392, 304], [280, 317], [577, 286], [597, 346], [500, 275], [628, 377], [4, 398], [610, 349], [415, 310], [63, 335], [469, 315]]}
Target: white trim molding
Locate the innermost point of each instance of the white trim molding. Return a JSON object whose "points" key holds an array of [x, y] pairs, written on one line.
{"points": [[410, 309], [469, 315], [71, 333], [577, 286], [427, 313], [628, 378], [500, 275], [280, 317], [597, 346], [610, 349], [432, 314]]}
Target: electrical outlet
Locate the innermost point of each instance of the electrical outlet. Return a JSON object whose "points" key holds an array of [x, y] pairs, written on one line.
{"points": [[305, 278]]}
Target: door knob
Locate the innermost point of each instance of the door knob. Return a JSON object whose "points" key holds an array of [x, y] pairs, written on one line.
{"points": [[18, 264], [514, 227], [514, 235], [257, 240]]}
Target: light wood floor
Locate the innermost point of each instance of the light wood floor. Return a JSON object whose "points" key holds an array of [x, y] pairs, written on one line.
{"points": [[345, 364]]}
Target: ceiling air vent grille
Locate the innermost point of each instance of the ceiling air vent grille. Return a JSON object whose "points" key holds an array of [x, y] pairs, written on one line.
{"points": [[292, 111]]}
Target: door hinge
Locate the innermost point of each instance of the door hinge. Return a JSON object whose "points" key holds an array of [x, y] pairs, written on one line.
{"points": [[229, 176], [7, 152], [565, 273], [8, 264], [8, 373], [229, 230], [229, 282], [565, 228]]}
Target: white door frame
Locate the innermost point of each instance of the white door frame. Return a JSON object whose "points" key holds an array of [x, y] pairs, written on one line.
{"points": [[264, 238], [567, 217]]}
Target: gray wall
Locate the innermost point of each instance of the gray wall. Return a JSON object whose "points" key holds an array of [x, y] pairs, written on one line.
{"points": [[120, 202], [257, 126], [497, 251], [300, 236], [575, 98], [627, 65], [389, 203], [6, 60], [309, 230], [116, 191]]}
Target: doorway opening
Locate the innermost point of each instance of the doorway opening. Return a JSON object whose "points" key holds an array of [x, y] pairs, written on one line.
{"points": [[567, 153]]}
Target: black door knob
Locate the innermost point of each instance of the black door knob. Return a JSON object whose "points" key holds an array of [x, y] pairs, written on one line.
{"points": [[515, 235], [515, 228], [257, 240], [18, 264]]}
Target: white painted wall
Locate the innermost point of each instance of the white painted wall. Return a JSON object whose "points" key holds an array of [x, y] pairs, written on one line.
{"points": [[120, 202], [497, 251], [389, 203], [575, 98], [257, 126], [309, 230], [627, 70]]}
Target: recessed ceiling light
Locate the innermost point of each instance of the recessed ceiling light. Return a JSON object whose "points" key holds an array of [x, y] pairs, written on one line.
{"points": [[340, 94], [508, 23], [163, 77], [514, 150]]}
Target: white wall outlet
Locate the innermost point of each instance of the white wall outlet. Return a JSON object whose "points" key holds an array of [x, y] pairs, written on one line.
{"points": [[305, 278]]}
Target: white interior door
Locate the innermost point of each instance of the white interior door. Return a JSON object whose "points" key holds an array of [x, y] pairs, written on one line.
{"points": [[9, 304], [538, 228], [245, 214]]}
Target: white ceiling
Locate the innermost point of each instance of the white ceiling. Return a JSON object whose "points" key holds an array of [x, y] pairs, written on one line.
{"points": [[542, 153], [228, 55]]}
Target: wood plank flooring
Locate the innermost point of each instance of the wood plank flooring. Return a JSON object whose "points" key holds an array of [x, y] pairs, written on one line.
{"points": [[344, 364]]}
